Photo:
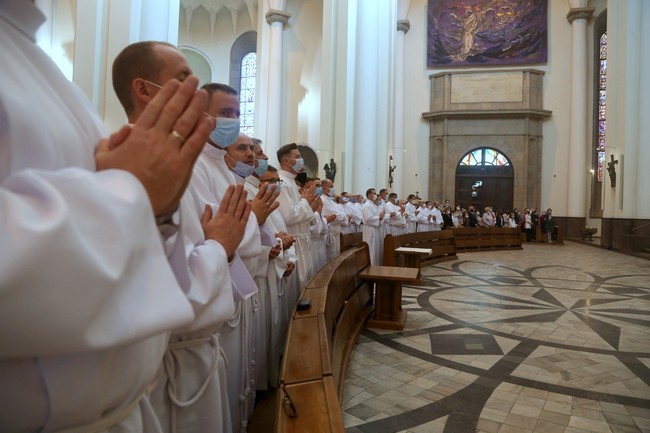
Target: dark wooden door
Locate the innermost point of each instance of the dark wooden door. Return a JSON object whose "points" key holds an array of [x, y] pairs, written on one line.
{"points": [[482, 186]]}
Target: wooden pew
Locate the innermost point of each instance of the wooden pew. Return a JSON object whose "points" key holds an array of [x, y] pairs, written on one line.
{"points": [[541, 236], [319, 344], [485, 239], [442, 245], [316, 405], [350, 240]]}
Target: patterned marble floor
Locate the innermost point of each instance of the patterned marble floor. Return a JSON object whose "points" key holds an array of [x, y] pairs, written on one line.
{"points": [[548, 339]]}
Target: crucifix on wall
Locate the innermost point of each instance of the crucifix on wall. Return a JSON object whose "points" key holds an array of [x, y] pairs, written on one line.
{"points": [[611, 169], [391, 169]]}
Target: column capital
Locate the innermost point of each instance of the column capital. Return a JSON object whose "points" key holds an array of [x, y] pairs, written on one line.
{"points": [[580, 13], [403, 26], [276, 16]]}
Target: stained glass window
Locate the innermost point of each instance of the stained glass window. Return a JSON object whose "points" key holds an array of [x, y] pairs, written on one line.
{"points": [[602, 103], [485, 156], [247, 93]]}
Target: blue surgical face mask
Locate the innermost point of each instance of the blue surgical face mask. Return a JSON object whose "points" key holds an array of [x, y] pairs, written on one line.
{"points": [[242, 169], [262, 166], [319, 191], [225, 132], [298, 165], [346, 200], [331, 192], [395, 200]]}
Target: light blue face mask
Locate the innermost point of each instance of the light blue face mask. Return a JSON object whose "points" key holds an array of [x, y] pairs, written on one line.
{"points": [[262, 166], [225, 132], [242, 169], [299, 164], [319, 191], [331, 193]]}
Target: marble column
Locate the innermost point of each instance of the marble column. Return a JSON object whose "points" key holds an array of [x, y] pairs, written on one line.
{"points": [[337, 90], [628, 108], [578, 177], [373, 93], [403, 26], [270, 73], [103, 29]]}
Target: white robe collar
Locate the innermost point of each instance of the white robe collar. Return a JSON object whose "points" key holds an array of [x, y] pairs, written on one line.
{"points": [[23, 16]]}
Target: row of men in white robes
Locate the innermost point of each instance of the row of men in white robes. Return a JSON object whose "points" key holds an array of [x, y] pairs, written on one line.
{"points": [[146, 278], [129, 322], [89, 293]]}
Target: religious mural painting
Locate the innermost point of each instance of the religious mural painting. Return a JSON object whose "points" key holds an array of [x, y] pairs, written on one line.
{"points": [[487, 32]]}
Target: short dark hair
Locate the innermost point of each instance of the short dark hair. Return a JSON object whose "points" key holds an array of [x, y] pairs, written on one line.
{"points": [[392, 194], [271, 168], [383, 190], [285, 150], [256, 141], [213, 88], [410, 196], [138, 60], [369, 191]]}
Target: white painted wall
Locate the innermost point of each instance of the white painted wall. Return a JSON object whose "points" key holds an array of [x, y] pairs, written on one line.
{"points": [[307, 73]]}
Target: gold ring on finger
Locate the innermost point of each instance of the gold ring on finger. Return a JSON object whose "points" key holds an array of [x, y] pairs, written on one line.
{"points": [[177, 136]]}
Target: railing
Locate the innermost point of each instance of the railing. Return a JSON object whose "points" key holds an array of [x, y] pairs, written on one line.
{"points": [[319, 344]]}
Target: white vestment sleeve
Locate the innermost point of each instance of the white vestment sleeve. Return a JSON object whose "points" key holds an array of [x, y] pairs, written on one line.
{"points": [[73, 272], [370, 216], [423, 217], [210, 293]]}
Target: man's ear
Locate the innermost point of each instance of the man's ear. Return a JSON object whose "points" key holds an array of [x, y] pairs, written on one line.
{"points": [[141, 92]]}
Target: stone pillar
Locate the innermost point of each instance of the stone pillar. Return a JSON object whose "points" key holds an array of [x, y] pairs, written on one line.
{"points": [[103, 29], [270, 76], [577, 173], [373, 93], [159, 20], [337, 90], [403, 26], [628, 93]]}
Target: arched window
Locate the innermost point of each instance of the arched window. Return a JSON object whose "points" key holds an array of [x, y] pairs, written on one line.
{"points": [[243, 71], [602, 104], [485, 177], [247, 93], [484, 156], [599, 120]]}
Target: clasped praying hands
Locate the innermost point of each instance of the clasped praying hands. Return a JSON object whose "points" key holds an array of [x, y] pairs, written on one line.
{"points": [[161, 147]]}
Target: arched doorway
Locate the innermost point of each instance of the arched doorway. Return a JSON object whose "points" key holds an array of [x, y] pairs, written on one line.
{"points": [[200, 64], [485, 177], [311, 159]]}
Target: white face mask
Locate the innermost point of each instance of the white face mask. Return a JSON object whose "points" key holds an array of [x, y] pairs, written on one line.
{"points": [[225, 132], [262, 166], [298, 165], [242, 169]]}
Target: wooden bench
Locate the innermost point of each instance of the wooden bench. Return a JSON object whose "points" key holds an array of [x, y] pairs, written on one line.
{"points": [[487, 239], [541, 236], [319, 344], [350, 240], [441, 243]]}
